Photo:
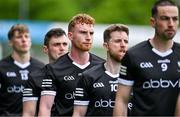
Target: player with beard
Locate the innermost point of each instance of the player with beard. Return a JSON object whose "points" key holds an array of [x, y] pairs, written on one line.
{"points": [[56, 44], [95, 92], [152, 68], [15, 70], [62, 76]]}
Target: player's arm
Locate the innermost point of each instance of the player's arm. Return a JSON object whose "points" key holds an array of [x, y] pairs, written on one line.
{"points": [[121, 102], [29, 108], [178, 107], [80, 110], [46, 102]]}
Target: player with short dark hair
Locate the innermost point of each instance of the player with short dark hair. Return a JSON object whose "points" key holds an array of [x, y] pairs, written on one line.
{"points": [[96, 89], [152, 68], [15, 70], [56, 44], [62, 76]]}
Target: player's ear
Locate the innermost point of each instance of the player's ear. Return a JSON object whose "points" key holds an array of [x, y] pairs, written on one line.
{"points": [[45, 49], [105, 45], [70, 36], [152, 22], [10, 43]]}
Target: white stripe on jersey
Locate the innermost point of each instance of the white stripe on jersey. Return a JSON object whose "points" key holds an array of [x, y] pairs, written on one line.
{"points": [[80, 95], [27, 92], [79, 92], [30, 99], [123, 70], [47, 80], [78, 102], [48, 93], [126, 82], [47, 83], [81, 89]]}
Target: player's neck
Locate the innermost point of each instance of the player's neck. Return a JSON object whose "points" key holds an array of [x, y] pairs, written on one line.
{"points": [[112, 67], [51, 60], [21, 58], [161, 45], [79, 57]]}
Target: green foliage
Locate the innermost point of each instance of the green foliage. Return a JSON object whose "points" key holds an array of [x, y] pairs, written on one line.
{"points": [[104, 11], [56, 10], [9, 9], [123, 11]]}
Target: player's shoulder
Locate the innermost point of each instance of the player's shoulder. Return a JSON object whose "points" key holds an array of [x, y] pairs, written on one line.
{"points": [[96, 58], [176, 46], [36, 62], [6, 61], [38, 73], [139, 46], [139, 49], [95, 71], [62, 60]]}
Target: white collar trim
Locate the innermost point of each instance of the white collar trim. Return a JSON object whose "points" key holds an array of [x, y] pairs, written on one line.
{"points": [[22, 65], [112, 75], [162, 54], [81, 66]]}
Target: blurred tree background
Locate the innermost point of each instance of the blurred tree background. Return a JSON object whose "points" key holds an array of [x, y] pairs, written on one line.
{"points": [[104, 11]]}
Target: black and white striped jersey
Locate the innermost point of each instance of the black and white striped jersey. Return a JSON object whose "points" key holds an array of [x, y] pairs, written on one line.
{"points": [[13, 76], [96, 89], [32, 90], [155, 77], [61, 79]]}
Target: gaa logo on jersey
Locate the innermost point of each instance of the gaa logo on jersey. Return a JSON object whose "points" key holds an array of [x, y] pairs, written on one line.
{"points": [[146, 65], [11, 74], [24, 74], [68, 78], [98, 85]]}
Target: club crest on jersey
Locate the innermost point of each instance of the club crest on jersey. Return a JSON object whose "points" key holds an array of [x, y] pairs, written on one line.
{"points": [[11, 74], [24, 74]]}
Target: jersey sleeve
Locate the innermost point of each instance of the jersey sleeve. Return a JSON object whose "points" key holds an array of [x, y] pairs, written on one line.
{"points": [[81, 92], [125, 71], [48, 82], [29, 92]]}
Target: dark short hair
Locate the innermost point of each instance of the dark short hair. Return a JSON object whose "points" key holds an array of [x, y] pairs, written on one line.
{"points": [[55, 32], [81, 18], [112, 28], [158, 3], [21, 28]]}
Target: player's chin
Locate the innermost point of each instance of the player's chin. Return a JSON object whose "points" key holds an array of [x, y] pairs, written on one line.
{"points": [[86, 48], [60, 54], [121, 55], [24, 50]]}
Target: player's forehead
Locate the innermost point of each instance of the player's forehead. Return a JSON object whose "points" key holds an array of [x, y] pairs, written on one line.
{"points": [[84, 27], [20, 33], [59, 39], [171, 11]]}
